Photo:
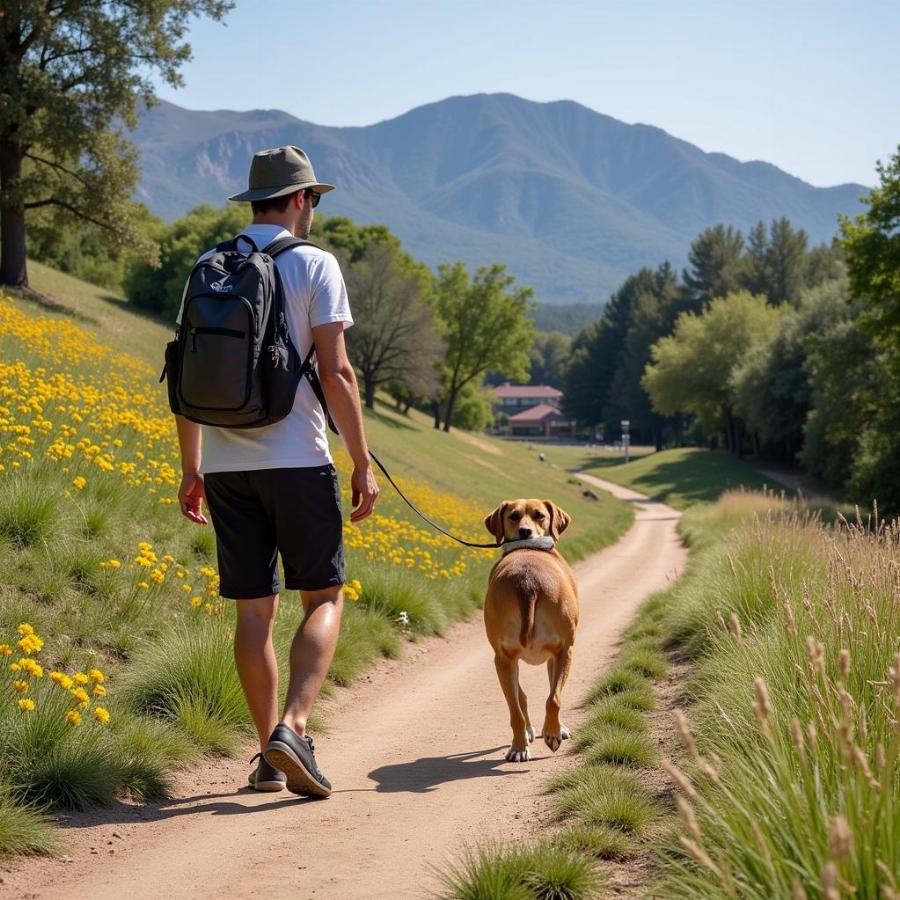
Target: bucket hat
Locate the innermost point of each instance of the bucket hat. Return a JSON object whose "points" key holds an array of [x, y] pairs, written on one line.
{"points": [[280, 171]]}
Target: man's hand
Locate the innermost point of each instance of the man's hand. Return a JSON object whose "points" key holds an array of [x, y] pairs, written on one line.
{"points": [[190, 495], [365, 492]]}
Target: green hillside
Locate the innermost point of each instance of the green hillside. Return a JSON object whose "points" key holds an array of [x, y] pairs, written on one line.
{"points": [[120, 663], [683, 476]]}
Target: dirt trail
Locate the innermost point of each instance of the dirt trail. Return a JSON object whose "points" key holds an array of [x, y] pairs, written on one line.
{"points": [[416, 754]]}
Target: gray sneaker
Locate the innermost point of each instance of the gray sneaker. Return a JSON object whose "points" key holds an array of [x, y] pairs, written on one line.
{"points": [[265, 777], [294, 755]]}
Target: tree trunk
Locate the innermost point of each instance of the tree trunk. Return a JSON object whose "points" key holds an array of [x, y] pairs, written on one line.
{"points": [[13, 270], [448, 412], [369, 385], [406, 407], [436, 409]]}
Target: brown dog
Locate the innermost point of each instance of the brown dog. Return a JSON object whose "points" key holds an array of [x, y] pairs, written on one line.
{"points": [[530, 613]]}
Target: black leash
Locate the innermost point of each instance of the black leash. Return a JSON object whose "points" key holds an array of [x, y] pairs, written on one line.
{"points": [[309, 371]]}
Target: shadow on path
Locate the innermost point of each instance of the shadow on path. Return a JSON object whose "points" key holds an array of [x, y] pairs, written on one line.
{"points": [[426, 773]]}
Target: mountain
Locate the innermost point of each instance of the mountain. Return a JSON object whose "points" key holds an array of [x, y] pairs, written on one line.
{"points": [[571, 200]]}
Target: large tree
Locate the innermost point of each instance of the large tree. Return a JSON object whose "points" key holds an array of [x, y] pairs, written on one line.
{"points": [[716, 263], [486, 326], [72, 73], [395, 334], [692, 369], [872, 245]]}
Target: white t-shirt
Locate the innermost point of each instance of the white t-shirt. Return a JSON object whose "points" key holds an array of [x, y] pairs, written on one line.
{"points": [[314, 294]]}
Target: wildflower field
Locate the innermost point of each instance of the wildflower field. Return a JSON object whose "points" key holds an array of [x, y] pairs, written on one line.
{"points": [[116, 646]]}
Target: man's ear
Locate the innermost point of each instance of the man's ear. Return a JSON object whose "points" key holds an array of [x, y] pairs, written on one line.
{"points": [[494, 522], [559, 519]]}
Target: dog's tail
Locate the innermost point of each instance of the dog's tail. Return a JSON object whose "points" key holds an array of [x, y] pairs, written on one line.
{"points": [[529, 602]]}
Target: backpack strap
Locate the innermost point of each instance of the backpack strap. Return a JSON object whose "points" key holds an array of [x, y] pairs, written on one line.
{"points": [[279, 245], [308, 371]]}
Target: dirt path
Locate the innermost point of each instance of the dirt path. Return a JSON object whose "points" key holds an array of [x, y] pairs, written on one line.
{"points": [[416, 754]]}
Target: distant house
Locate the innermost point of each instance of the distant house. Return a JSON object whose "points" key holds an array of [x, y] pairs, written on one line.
{"points": [[542, 420], [513, 398], [533, 410]]}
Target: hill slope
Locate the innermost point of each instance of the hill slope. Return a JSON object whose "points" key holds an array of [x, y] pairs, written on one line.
{"points": [[570, 199]]}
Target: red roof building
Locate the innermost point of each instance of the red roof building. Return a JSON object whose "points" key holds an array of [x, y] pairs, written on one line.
{"points": [[513, 398], [542, 420]]}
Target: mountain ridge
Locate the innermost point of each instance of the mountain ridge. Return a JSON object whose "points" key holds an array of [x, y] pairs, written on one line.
{"points": [[571, 199]]}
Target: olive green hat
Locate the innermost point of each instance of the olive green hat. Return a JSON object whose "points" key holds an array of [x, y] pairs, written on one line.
{"points": [[283, 170]]}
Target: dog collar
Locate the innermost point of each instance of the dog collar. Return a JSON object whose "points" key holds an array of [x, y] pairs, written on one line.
{"points": [[543, 542]]}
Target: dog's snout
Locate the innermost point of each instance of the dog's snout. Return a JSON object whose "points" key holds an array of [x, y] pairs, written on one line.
{"points": [[525, 532]]}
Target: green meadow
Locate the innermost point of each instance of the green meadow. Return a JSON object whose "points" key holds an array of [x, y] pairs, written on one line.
{"points": [[102, 575]]}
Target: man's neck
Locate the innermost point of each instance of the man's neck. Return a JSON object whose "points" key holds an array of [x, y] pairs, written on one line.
{"points": [[276, 219]]}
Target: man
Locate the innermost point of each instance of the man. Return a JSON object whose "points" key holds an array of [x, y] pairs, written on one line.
{"points": [[274, 489]]}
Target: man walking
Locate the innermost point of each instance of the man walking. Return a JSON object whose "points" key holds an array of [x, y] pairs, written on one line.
{"points": [[274, 489]]}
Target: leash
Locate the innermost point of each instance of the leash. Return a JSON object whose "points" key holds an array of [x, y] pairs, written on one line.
{"points": [[309, 372]]}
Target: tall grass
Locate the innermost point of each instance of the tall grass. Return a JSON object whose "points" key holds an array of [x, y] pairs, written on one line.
{"points": [[791, 743]]}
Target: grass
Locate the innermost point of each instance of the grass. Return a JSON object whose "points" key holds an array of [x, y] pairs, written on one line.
{"points": [[791, 744], [682, 477], [544, 872], [87, 475]]}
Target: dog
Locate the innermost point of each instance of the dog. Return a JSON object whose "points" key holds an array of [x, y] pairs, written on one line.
{"points": [[531, 613]]}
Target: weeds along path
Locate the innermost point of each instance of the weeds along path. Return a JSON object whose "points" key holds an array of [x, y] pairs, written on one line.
{"points": [[416, 754]]}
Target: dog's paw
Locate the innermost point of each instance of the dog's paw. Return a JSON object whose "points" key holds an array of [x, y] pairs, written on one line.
{"points": [[529, 734], [564, 732], [513, 755], [553, 741]]}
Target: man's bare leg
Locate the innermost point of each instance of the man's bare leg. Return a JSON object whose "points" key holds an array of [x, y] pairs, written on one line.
{"points": [[254, 656], [311, 653]]}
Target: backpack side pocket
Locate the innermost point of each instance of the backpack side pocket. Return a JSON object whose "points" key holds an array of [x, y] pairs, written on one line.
{"points": [[171, 371]]}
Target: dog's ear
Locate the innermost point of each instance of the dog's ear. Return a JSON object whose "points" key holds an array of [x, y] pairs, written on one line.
{"points": [[559, 519], [494, 522]]}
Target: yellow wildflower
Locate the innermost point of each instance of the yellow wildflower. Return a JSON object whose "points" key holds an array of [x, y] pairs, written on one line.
{"points": [[143, 585], [61, 679], [101, 715], [97, 676], [31, 643], [99, 690], [14, 667], [80, 678], [31, 667], [26, 705], [196, 601], [80, 482], [73, 717], [5, 650], [21, 686], [25, 629], [80, 696], [157, 576]]}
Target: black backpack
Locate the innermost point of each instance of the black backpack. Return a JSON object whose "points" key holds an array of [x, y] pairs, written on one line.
{"points": [[232, 363]]}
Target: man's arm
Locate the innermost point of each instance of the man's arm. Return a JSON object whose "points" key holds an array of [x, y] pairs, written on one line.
{"points": [[191, 492], [342, 393]]}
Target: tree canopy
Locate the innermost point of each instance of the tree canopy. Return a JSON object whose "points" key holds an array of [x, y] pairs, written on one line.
{"points": [[485, 324], [71, 75], [692, 369]]}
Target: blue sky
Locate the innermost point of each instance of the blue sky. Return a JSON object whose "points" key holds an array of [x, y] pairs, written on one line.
{"points": [[809, 86]]}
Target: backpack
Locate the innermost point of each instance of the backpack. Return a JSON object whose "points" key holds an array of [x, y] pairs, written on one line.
{"points": [[232, 363]]}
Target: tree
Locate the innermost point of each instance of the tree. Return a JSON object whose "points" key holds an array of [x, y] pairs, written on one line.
{"points": [[394, 323], [716, 263], [871, 242], [486, 326], [656, 307], [691, 369], [598, 350], [549, 358], [773, 394], [71, 73]]}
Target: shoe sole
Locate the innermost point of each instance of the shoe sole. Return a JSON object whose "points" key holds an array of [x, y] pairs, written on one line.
{"points": [[268, 786], [299, 779]]}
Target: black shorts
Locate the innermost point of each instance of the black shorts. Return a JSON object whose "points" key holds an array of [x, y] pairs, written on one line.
{"points": [[259, 514]]}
